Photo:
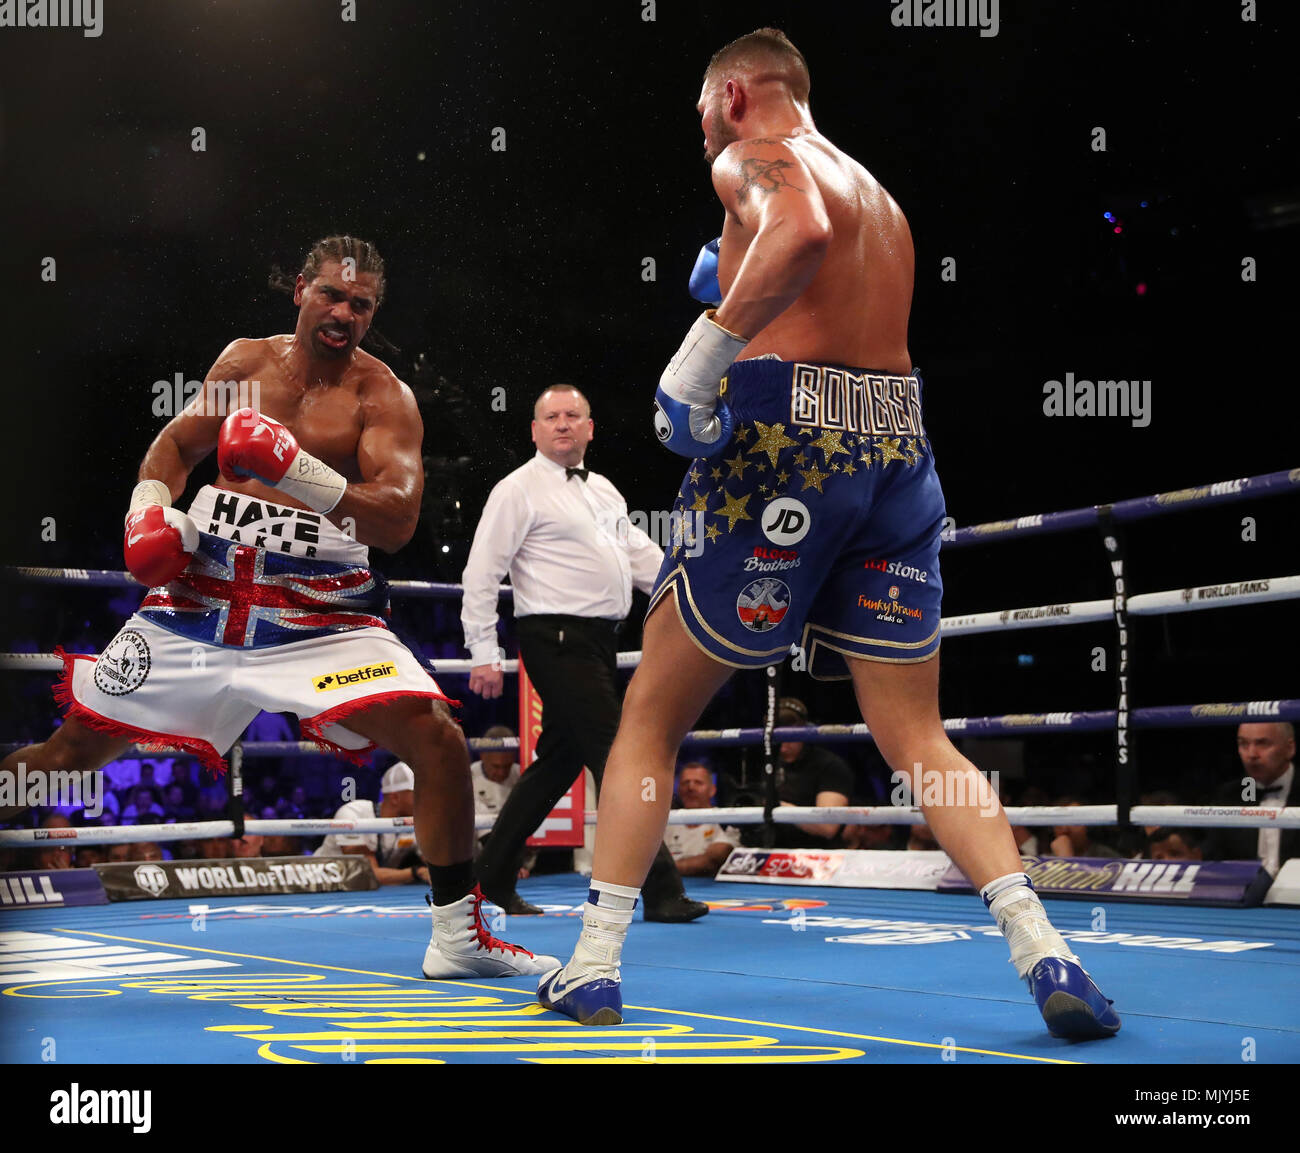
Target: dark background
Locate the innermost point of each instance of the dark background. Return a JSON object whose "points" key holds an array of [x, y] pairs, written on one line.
{"points": [[522, 268]]}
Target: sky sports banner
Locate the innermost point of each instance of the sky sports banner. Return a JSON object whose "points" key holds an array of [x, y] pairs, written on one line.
{"points": [[131, 881], [837, 868], [1190, 882], [52, 889]]}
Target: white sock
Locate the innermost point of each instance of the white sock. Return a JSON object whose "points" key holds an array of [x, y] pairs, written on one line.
{"points": [[1023, 921], [605, 918]]}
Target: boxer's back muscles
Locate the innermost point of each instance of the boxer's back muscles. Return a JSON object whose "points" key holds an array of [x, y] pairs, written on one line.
{"points": [[855, 309]]}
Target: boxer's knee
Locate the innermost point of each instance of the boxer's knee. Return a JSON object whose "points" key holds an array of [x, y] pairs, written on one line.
{"points": [[74, 748], [446, 733], [637, 701], [439, 745], [650, 726]]}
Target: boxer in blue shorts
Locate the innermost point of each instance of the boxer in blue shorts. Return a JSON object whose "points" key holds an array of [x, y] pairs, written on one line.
{"points": [[820, 523], [815, 517]]}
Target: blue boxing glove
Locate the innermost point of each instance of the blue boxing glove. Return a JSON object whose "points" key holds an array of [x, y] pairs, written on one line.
{"points": [[690, 419], [704, 276]]}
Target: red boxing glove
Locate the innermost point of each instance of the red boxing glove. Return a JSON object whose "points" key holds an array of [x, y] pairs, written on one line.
{"points": [[250, 444], [158, 544], [254, 445]]}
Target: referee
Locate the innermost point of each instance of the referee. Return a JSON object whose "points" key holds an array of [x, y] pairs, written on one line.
{"points": [[563, 535]]}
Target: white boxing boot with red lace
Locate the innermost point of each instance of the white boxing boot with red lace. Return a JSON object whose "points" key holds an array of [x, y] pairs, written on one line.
{"points": [[462, 946]]}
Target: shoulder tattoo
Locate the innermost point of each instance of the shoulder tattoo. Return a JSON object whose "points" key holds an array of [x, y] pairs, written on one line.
{"points": [[765, 175]]}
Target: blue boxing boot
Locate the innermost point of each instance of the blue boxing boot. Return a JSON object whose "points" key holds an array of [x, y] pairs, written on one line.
{"points": [[1071, 1004], [588, 998], [588, 988]]}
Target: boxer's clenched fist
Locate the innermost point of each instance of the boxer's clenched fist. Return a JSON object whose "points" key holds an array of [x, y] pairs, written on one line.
{"points": [[251, 444], [158, 543], [690, 418]]}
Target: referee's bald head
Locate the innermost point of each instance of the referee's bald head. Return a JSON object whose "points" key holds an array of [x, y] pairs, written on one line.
{"points": [[560, 388]]}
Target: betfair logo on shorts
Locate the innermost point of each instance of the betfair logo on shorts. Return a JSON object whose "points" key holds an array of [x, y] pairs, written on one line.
{"points": [[346, 678]]}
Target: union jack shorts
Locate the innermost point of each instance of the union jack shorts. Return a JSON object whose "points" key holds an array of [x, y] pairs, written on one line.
{"points": [[162, 689]]}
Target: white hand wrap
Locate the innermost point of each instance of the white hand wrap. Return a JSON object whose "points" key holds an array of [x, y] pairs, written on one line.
{"points": [[313, 482], [149, 492], [696, 370]]}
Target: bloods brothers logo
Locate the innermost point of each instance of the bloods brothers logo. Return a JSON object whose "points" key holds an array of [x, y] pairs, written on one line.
{"points": [[772, 560], [762, 604], [124, 666], [346, 678]]}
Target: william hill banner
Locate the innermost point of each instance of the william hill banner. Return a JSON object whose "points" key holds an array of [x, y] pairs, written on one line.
{"points": [[132, 881], [1189, 882], [57, 888]]}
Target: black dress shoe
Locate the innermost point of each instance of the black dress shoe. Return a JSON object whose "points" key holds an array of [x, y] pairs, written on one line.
{"points": [[515, 906], [675, 910]]}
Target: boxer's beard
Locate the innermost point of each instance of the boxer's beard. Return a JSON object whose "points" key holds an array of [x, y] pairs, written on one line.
{"points": [[722, 136]]}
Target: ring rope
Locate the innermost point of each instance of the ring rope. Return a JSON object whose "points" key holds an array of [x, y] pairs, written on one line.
{"points": [[1168, 816], [1156, 717], [1041, 815], [1133, 509], [1194, 599], [1127, 511]]}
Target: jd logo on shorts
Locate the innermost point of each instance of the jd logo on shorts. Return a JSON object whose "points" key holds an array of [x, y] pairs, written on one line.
{"points": [[762, 604], [346, 678], [786, 521], [124, 665]]}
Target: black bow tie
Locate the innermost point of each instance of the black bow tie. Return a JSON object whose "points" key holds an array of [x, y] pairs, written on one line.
{"points": [[1271, 791], [580, 473]]}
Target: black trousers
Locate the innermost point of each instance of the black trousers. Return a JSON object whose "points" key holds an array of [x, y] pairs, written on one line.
{"points": [[572, 662]]}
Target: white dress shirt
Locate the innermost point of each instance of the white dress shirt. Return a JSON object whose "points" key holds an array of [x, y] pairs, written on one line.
{"points": [[567, 544], [1270, 840]]}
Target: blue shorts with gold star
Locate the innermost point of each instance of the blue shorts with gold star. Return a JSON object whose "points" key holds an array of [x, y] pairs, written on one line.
{"points": [[818, 526]]}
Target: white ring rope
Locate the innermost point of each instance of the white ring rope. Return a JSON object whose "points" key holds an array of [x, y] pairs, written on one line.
{"points": [[1167, 816], [1187, 600]]}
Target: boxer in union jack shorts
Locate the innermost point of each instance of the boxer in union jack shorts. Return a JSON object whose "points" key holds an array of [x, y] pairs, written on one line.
{"points": [[261, 595]]}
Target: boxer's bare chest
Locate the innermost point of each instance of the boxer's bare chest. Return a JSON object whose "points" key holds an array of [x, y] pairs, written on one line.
{"points": [[326, 417]]}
